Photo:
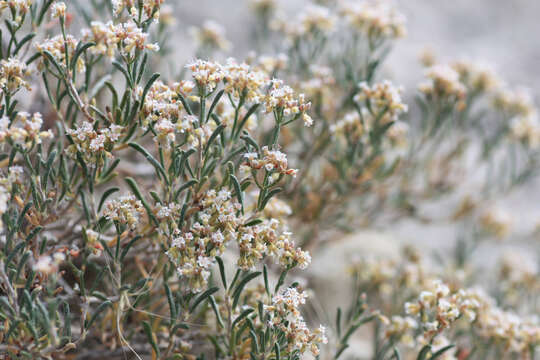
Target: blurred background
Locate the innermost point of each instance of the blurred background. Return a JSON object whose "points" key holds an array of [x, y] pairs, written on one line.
{"points": [[499, 32]]}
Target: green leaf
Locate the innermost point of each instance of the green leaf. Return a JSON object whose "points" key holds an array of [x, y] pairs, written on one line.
{"points": [[100, 84], [340, 351], [268, 196], [424, 352], [104, 305], [202, 297], [44, 8], [216, 311], [214, 135], [33, 233], [119, 66], [281, 280], [67, 321], [253, 222], [51, 58], [147, 87], [128, 246], [266, 283], [276, 351], [246, 117], [50, 161], [249, 140], [241, 285], [222, 271], [172, 304], [6, 305], [142, 67], [185, 103], [109, 170], [179, 326], [21, 43], [238, 191], [356, 326], [242, 316], [151, 337], [214, 103], [159, 168], [105, 195], [22, 214], [440, 352], [338, 322], [13, 253], [78, 52]]}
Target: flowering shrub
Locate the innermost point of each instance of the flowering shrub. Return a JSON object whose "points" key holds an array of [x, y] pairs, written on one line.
{"points": [[175, 218]]}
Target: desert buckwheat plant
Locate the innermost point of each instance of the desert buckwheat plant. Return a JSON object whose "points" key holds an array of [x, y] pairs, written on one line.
{"points": [[155, 209]]}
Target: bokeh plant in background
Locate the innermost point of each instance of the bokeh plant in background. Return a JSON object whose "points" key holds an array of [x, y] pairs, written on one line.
{"points": [[155, 209]]}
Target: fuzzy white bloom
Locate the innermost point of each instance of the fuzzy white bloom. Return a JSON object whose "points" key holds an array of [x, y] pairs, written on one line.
{"points": [[58, 10], [526, 128], [126, 210], [13, 75], [374, 19], [211, 34], [443, 81]]}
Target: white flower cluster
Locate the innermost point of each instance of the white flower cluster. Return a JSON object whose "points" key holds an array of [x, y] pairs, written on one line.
{"points": [[277, 208], [286, 317], [124, 210], [47, 264], [109, 37], [25, 130], [443, 83], [383, 100], [402, 327], [283, 99], [14, 175], [496, 221], [219, 223], [351, 125], [526, 129], [516, 333], [19, 7], [13, 75], [161, 102], [477, 76], [272, 161], [263, 6], [241, 80], [518, 271], [210, 34], [91, 143], [438, 308], [376, 20], [150, 8], [515, 102], [165, 111], [58, 10], [312, 21], [272, 64], [321, 78], [56, 46], [207, 74]]}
